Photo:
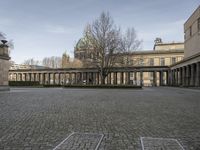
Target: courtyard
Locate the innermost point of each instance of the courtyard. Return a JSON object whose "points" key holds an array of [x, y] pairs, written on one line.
{"points": [[104, 119]]}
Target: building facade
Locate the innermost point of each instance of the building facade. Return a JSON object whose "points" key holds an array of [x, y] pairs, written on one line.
{"points": [[187, 72], [4, 66], [192, 34], [163, 54], [164, 65]]}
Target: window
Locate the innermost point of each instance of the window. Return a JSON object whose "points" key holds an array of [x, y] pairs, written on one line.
{"points": [[131, 62], [198, 24], [190, 31], [162, 61], [140, 62], [173, 60], [151, 62]]}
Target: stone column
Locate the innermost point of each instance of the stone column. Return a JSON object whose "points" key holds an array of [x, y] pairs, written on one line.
{"points": [[122, 78], [135, 77], [39, 78], [75, 77], [109, 78], [70, 78], [54, 78], [127, 78], [34, 77], [24, 76], [154, 79], [197, 81], [176, 77], [161, 78], [172, 78], [187, 76], [20, 76], [49, 78], [115, 77], [180, 76], [30, 77], [80, 78], [97, 78], [65, 78], [141, 78], [43, 78], [59, 78], [94, 78], [167, 77], [192, 81], [183, 76]]}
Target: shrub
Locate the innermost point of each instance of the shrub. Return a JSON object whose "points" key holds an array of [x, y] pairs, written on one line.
{"points": [[24, 83]]}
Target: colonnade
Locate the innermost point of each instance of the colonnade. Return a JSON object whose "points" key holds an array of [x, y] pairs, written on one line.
{"points": [[94, 78], [187, 76]]}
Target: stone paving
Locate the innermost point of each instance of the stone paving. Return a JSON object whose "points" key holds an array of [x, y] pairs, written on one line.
{"points": [[42, 118]]}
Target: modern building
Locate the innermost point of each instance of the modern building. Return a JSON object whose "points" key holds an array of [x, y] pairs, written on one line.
{"points": [[4, 65], [187, 71]]}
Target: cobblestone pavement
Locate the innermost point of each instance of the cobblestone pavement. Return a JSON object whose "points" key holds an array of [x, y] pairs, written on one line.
{"points": [[43, 118]]}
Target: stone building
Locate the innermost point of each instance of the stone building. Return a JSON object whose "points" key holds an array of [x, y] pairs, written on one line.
{"points": [[192, 34], [4, 65], [163, 54], [187, 71]]}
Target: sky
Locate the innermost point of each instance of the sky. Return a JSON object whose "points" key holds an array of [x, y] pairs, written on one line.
{"points": [[45, 28]]}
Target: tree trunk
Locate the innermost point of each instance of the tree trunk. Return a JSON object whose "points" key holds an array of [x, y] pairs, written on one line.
{"points": [[102, 80]]}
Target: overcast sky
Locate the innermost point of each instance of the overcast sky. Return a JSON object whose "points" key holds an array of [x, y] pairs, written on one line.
{"points": [[43, 28]]}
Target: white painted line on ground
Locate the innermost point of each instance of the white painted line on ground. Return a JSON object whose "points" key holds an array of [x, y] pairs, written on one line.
{"points": [[97, 146], [179, 144], [64, 141], [141, 140], [171, 139], [99, 141]]}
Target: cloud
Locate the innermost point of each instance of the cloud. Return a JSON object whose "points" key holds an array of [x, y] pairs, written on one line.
{"points": [[58, 29]]}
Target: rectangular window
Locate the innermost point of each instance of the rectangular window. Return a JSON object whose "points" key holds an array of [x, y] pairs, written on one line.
{"points": [[151, 62], [162, 61], [173, 60], [141, 62], [190, 31], [198, 24], [131, 62]]}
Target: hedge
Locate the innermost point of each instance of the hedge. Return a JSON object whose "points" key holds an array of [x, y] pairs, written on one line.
{"points": [[24, 83], [104, 86]]}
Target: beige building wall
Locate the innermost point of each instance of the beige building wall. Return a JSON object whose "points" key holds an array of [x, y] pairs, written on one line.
{"points": [[159, 58], [168, 46], [192, 34], [4, 68]]}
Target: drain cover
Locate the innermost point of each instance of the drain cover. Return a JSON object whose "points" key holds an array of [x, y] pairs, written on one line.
{"points": [[80, 141], [149, 143]]}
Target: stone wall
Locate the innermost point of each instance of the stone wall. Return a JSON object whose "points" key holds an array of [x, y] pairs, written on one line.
{"points": [[4, 68], [192, 34]]}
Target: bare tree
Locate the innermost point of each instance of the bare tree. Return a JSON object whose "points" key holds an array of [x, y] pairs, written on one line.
{"points": [[107, 45], [129, 43], [31, 61], [52, 62], [104, 39]]}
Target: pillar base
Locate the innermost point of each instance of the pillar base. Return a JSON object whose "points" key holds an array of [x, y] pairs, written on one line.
{"points": [[4, 88]]}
